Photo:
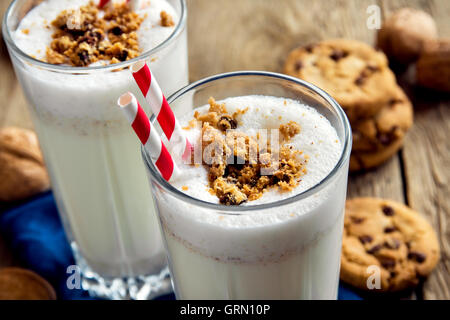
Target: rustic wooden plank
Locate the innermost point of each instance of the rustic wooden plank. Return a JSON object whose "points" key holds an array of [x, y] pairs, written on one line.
{"points": [[13, 110], [426, 154], [440, 282], [384, 182], [258, 34]]}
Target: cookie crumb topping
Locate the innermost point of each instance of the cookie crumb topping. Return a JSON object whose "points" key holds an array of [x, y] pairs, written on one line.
{"points": [[241, 167], [166, 19], [90, 34]]}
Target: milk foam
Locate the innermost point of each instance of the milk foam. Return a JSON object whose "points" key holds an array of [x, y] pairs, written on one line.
{"points": [[79, 101], [317, 139], [38, 35]]}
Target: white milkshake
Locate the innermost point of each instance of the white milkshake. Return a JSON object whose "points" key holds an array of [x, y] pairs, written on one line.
{"points": [[282, 251], [91, 152]]}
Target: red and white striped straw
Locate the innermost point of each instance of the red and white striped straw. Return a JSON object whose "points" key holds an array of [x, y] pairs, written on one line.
{"points": [[135, 4], [163, 112], [148, 135]]}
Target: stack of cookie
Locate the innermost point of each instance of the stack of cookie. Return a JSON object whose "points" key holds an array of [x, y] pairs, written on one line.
{"points": [[359, 78]]}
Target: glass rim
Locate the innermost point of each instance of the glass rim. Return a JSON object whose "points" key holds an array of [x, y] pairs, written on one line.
{"points": [[345, 154], [181, 25]]}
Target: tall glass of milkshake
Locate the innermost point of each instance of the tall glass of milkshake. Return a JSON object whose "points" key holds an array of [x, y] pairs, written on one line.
{"points": [[72, 59], [258, 212]]}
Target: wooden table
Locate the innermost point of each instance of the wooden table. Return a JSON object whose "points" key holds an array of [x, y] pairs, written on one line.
{"points": [[257, 34]]}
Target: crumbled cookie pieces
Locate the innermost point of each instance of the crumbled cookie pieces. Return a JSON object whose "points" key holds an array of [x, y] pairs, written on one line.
{"points": [[241, 167], [166, 19], [84, 36]]}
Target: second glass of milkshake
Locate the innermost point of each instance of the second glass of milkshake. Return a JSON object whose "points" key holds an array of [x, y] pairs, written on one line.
{"points": [[233, 231], [72, 59]]}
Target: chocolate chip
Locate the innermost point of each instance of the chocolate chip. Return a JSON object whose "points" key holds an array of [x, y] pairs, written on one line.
{"points": [[374, 249], [117, 31], [84, 57], [373, 68], [91, 38], [417, 256], [391, 102], [390, 229], [337, 54], [387, 263], [360, 80], [75, 33], [384, 138], [392, 244], [298, 65], [123, 55], [388, 211], [230, 200], [357, 220], [226, 123], [365, 239], [392, 274], [309, 48]]}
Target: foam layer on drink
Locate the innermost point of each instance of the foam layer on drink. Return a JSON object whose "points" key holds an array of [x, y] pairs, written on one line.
{"points": [[34, 33], [317, 140], [79, 101], [268, 234]]}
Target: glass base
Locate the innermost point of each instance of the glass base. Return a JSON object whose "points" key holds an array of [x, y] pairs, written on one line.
{"points": [[134, 288], [143, 287]]}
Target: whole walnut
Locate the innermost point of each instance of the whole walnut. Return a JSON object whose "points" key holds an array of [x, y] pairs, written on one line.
{"points": [[403, 34], [433, 66], [22, 169]]}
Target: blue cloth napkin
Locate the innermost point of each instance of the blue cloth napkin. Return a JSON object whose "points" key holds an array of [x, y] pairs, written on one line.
{"points": [[34, 232]]}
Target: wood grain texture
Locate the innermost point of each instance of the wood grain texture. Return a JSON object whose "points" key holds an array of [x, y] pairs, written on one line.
{"points": [[426, 153], [13, 107], [426, 157], [257, 34]]}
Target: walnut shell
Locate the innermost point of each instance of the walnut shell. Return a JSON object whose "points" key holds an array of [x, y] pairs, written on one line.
{"points": [[403, 34], [433, 67], [22, 169]]}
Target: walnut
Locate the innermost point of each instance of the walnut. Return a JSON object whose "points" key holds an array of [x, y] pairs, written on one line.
{"points": [[433, 66], [403, 34], [22, 169]]}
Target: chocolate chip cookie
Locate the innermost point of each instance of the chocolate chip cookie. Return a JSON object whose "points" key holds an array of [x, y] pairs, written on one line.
{"points": [[386, 127], [22, 284], [352, 72], [362, 160], [390, 236]]}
